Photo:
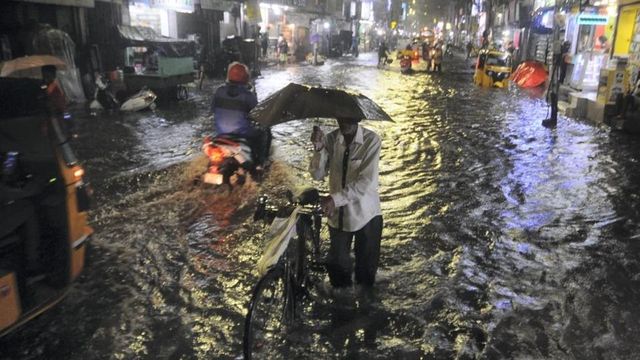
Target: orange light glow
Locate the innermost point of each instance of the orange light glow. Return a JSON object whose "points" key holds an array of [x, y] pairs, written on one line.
{"points": [[78, 173], [215, 154]]}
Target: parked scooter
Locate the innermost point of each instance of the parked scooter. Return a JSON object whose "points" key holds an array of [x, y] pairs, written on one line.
{"points": [[103, 98]]}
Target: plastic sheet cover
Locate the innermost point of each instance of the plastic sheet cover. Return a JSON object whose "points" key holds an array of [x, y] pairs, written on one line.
{"points": [[146, 36], [49, 40]]}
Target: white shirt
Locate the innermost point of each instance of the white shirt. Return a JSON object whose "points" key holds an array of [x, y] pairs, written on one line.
{"points": [[358, 198]]}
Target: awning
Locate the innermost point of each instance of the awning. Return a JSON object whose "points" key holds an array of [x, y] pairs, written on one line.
{"points": [[219, 5], [146, 37]]}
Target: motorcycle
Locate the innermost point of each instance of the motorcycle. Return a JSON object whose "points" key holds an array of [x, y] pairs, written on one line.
{"points": [[103, 98], [405, 64], [232, 159]]}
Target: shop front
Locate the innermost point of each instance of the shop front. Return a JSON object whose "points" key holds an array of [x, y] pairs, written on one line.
{"points": [[627, 38], [160, 15], [290, 24], [589, 33]]}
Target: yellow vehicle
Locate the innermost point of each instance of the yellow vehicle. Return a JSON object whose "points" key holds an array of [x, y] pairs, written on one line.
{"points": [[43, 206], [493, 69]]}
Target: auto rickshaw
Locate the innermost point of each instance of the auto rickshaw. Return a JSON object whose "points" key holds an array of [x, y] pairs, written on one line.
{"points": [[493, 68], [43, 205]]}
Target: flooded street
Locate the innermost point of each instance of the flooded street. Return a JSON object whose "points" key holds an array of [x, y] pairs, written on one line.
{"points": [[502, 239]]}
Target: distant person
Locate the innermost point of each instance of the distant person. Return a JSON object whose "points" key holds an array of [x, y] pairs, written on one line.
{"points": [[256, 41], [235, 14], [56, 99], [603, 43], [355, 44], [565, 60], [383, 54], [283, 50], [436, 58], [485, 43], [264, 42], [350, 157], [426, 52], [150, 59], [276, 48], [469, 48]]}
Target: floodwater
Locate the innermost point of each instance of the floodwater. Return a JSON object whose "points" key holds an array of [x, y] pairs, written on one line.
{"points": [[502, 239]]}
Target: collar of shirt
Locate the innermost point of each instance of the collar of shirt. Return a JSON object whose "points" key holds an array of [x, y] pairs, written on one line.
{"points": [[358, 139]]}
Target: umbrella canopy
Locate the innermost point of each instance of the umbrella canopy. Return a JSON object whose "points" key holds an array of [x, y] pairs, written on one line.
{"points": [[296, 101], [29, 66]]}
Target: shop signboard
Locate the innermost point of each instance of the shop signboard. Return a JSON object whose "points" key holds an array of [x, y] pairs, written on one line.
{"points": [[252, 11], [592, 19], [175, 5]]}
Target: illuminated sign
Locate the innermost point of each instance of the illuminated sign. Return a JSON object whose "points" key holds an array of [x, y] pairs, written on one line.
{"points": [[592, 19]]}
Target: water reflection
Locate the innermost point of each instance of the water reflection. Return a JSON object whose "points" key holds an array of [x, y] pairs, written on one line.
{"points": [[502, 239]]}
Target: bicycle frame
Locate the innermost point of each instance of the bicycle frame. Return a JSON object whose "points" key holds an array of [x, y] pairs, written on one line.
{"points": [[288, 278]]}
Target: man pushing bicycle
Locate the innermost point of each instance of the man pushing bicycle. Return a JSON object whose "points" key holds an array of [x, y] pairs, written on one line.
{"points": [[350, 156]]}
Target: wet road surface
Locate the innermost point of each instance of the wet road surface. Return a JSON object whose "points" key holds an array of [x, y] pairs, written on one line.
{"points": [[502, 239]]}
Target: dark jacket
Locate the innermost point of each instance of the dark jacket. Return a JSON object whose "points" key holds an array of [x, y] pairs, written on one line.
{"points": [[230, 106]]}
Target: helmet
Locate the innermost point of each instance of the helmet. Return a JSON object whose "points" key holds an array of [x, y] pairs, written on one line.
{"points": [[238, 73]]}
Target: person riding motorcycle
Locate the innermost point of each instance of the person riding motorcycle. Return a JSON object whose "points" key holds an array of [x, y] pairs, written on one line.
{"points": [[231, 105]]}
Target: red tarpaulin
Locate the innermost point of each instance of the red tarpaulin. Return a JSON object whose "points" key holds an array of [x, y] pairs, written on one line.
{"points": [[530, 74]]}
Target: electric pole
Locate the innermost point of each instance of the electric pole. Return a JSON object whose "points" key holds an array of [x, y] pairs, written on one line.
{"points": [[554, 83]]}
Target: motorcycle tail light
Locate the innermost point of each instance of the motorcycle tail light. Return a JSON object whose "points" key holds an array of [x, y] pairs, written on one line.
{"points": [[215, 154], [78, 173]]}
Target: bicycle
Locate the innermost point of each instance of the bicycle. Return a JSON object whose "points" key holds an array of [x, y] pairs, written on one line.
{"points": [[279, 292]]}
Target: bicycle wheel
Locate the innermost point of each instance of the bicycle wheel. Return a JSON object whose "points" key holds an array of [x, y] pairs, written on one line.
{"points": [[269, 313]]}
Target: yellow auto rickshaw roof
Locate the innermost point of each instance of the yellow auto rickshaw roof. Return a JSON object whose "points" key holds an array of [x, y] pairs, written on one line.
{"points": [[495, 52]]}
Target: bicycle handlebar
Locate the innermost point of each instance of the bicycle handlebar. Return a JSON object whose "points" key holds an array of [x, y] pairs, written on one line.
{"points": [[308, 200]]}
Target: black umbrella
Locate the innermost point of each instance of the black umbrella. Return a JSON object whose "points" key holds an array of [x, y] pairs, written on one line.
{"points": [[296, 101]]}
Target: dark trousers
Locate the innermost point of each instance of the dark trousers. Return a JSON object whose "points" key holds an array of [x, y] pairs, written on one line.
{"points": [[260, 143], [367, 253]]}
